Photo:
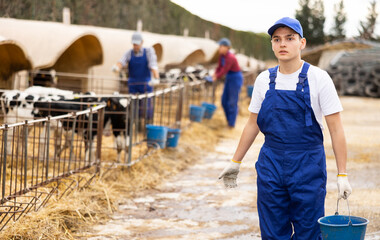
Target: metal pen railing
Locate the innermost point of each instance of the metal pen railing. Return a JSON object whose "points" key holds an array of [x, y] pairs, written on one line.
{"points": [[39, 158], [31, 157]]}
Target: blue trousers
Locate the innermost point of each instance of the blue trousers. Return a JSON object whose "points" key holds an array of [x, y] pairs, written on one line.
{"points": [[291, 187], [230, 97], [139, 89]]}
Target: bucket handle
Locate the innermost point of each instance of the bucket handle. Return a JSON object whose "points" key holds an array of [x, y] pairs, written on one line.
{"points": [[349, 213]]}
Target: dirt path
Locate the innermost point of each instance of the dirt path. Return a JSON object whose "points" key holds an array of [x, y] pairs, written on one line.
{"points": [[194, 205]]}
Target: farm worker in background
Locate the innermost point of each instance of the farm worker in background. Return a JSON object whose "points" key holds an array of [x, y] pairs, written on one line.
{"points": [[141, 63], [287, 106], [229, 67]]}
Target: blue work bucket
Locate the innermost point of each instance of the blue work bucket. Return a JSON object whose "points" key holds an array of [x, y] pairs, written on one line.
{"points": [[196, 113], [156, 135], [338, 227], [249, 90], [173, 136], [209, 110]]}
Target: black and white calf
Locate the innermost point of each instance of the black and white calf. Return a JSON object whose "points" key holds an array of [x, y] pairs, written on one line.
{"points": [[36, 102], [115, 117], [189, 73], [17, 106]]}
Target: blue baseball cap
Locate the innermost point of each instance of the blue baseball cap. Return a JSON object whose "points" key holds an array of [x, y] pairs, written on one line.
{"points": [[224, 42], [287, 22]]}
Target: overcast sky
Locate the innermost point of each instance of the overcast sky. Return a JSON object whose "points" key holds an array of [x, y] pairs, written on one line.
{"points": [[259, 15]]}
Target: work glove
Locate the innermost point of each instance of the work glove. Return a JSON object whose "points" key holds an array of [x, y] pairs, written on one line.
{"points": [[229, 174], [344, 188], [154, 81], [115, 68], [208, 78]]}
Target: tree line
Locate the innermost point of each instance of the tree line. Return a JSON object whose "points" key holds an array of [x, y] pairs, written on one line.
{"points": [[163, 16], [158, 16], [311, 16]]}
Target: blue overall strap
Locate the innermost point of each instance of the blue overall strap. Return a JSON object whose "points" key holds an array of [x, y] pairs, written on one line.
{"points": [[272, 77], [222, 61], [303, 83]]}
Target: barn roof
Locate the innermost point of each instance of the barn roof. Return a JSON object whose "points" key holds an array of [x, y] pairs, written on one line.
{"points": [[12, 57], [170, 49], [181, 51], [115, 43], [54, 45]]}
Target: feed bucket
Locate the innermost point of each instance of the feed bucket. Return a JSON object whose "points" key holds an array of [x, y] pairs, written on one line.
{"points": [[338, 227], [209, 110], [173, 136], [196, 113], [156, 135], [249, 90]]}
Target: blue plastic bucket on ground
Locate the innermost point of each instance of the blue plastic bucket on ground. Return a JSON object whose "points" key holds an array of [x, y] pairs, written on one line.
{"points": [[209, 110], [249, 90], [196, 113], [338, 227], [156, 135], [173, 136]]}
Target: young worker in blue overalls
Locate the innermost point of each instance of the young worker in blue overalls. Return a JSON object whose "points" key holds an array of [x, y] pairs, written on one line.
{"points": [[287, 106], [141, 63], [229, 67]]}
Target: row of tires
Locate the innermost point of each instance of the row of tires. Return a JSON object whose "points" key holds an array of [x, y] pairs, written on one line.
{"points": [[356, 80], [357, 73]]}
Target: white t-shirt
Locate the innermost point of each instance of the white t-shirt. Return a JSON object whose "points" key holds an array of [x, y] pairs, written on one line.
{"points": [[323, 95]]}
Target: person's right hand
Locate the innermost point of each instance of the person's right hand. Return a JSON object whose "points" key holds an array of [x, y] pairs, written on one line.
{"points": [[208, 78], [229, 174], [154, 81], [344, 187], [115, 68]]}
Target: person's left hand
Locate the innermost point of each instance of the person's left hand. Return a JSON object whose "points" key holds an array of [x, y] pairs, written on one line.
{"points": [[229, 174], [208, 78], [214, 78], [344, 187]]}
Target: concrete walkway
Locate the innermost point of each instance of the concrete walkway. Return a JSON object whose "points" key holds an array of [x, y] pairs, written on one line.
{"points": [[192, 205], [195, 205]]}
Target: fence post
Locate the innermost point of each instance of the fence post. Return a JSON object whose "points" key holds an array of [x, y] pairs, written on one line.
{"points": [[214, 85], [153, 106], [170, 104], [47, 146], [146, 110], [131, 119], [162, 106], [100, 137], [181, 92], [72, 140], [137, 116], [126, 132], [89, 139], [25, 153], [5, 136]]}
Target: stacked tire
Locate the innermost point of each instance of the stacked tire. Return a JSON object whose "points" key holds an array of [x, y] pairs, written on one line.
{"points": [[357, 73]]}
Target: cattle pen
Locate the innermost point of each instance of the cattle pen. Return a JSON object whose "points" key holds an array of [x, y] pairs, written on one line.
{"points": [[43, 156]]}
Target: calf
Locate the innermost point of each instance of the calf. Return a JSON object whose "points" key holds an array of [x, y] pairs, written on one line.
{"points": [[115, 116], [189, 73], [18, 106], [36, 101]]}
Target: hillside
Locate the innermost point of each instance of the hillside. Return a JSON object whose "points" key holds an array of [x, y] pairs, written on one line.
{"points": [[159, 16]]}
